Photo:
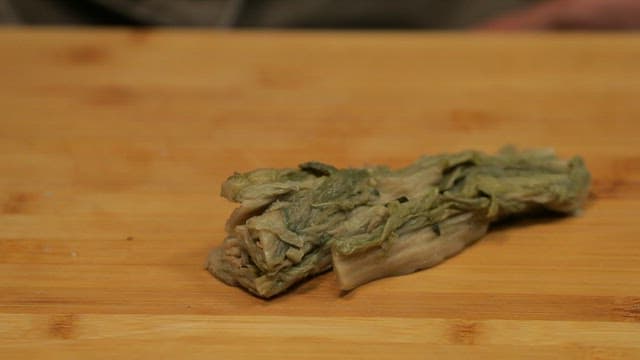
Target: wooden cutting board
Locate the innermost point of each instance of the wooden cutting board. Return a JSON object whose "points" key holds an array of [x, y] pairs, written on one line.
{"points": [[114, 143]]}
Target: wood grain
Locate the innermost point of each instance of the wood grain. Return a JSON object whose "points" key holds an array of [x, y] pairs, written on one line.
{"points": [[113, 145]]}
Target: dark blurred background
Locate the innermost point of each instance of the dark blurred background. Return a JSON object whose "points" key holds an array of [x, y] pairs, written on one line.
{"points": [[367, 14], [260, 13], [346, 14]]}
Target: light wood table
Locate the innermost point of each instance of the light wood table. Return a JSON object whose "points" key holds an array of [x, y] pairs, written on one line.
{"points": [[113, 145]]}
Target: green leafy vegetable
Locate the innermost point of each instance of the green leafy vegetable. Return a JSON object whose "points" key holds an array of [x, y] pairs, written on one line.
{"points": [[375, 222]]}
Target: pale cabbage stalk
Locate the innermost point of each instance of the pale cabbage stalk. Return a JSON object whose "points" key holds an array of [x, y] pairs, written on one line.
{"points": [[375, 222]]}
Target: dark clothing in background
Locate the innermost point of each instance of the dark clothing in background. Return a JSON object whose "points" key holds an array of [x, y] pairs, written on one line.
{"points": [[434, 14]]}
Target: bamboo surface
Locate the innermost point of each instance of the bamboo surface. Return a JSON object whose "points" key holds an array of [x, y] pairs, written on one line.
{"points": [[114, 143]]}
